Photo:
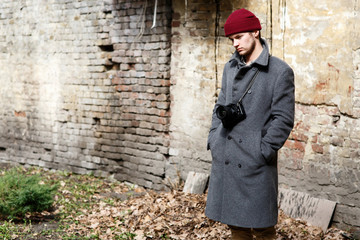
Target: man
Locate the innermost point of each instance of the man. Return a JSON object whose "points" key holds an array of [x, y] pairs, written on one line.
{"points": [[244, 180]]}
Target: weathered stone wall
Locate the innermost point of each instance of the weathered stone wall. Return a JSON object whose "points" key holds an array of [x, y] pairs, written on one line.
{"points": [[89, 86], [193, 82], [85, 87]]}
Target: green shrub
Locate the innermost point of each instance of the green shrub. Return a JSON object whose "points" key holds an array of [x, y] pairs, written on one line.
{"points": [[21, 194]]}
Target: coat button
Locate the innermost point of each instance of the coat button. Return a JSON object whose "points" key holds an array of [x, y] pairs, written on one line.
{"points": [[249, 92], [240, 140], [239, 165], [229, 137], [227, 162]]}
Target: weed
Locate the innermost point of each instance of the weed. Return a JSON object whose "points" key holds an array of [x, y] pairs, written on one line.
{"points": [[21, 194], [10, 230], [126, 236], [109, 201], [164, 236], [6, 229]]}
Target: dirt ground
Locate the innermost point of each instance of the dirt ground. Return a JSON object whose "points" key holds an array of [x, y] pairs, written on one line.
{"points": [[87, 207], [167, 215]]}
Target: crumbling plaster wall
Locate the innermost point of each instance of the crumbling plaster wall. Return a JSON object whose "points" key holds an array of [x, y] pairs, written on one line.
{"points": [[321, 41], [322, 154]]}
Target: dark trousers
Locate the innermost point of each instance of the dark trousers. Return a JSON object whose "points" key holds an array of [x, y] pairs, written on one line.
{"points": [[238, 233]]}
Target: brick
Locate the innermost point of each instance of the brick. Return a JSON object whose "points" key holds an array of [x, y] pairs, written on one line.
{"points": [[317, 148], [152, 170]]}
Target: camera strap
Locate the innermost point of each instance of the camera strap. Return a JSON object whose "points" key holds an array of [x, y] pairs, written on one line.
{"points": [[249, 86]]}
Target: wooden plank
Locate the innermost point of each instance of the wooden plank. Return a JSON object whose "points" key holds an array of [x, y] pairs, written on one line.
{"points": [[196, 182], [316, 211]]}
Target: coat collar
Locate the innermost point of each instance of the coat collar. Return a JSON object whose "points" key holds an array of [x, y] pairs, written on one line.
{"points": [[262, 60]]}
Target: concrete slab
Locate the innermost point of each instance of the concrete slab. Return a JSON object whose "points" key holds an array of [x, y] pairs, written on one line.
{"points": [[316, 211], [196, 182]]}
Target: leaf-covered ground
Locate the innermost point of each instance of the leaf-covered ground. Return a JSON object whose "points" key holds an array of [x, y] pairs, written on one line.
{"points": [[87, 207]]}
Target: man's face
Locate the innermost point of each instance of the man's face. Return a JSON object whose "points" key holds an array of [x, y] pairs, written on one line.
{"points": [[244, 43]]}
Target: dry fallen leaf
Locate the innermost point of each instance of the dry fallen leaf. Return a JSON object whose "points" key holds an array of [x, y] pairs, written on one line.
{"points": [[118, 210]]}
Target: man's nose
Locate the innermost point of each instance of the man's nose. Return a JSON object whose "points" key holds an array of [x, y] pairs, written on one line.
{"points": [[235, 43]]}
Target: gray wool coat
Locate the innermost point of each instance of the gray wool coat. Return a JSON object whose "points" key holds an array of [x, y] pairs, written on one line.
{"points": [[243, 183]]}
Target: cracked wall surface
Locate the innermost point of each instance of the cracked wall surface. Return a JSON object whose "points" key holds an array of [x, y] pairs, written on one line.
{"points": [[319, 43]]}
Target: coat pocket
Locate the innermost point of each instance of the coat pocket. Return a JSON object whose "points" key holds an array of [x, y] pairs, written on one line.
{"points": [[216, 145], [249, 144], [258, 156]]}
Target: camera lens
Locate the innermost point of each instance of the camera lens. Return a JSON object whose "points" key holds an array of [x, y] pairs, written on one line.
{"points": [[221, 112]]}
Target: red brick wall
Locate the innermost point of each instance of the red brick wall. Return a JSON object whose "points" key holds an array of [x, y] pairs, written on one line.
{"points": [[140, 77]]}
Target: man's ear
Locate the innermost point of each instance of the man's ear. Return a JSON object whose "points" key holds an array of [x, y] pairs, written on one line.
{"points": [[257, 34]]}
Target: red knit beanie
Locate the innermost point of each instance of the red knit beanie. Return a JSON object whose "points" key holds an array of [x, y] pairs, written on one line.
{"points": [[241, 20]]}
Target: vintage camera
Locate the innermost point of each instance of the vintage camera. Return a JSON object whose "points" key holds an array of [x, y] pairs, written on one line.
{"points": [[231, 114]]}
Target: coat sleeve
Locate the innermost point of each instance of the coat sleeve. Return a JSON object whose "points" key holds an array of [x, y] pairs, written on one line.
{"points": [[215, 121], [282, 113]]}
